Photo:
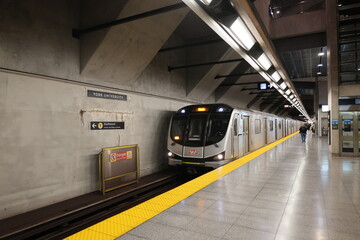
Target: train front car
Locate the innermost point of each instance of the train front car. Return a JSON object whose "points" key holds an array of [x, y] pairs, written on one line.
{"points": [[199, 136]]}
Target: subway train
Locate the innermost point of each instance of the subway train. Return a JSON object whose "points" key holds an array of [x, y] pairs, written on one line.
{"points": [[211, 135]]}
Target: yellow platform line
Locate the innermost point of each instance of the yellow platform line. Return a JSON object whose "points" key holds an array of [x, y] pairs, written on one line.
{"points": [[121, 223]]}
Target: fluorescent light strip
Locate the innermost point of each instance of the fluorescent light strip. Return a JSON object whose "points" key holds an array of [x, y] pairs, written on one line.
{"points": [[264, 62], [276, 76], [242, 34], [206, 2], [283, 85]]}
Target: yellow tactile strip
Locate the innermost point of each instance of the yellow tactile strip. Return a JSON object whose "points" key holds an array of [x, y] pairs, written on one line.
{"points": [[118, 225]]}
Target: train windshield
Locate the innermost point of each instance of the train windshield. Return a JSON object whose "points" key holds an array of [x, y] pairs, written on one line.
{"points": [[196, 129], [199, 130], [217, 129], [178, 128]]}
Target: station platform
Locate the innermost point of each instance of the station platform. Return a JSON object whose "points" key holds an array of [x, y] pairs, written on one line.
{"points": [[286, 190]]}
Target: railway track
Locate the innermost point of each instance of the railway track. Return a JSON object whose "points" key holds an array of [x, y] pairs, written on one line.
{"points": [[39, 225]]}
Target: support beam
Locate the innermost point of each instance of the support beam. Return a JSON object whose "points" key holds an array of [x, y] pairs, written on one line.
{"points": [[238, 84], [249, 89], [268, 92], [280, 110], [235, 75], [191, 45], [254, 100], [77, 33], [204, 64], [277, 105]]}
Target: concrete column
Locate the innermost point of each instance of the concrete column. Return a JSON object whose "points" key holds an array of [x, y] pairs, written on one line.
{"points": [[316, 102], [333, 72]]}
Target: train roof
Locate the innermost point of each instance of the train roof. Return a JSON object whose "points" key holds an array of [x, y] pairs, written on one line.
{"points": [[220, 108], [206, 108]]}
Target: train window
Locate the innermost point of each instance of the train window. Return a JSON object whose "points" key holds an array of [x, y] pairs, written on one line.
{"points": [[235, 127], [257, 126], [271, 125], [217, 129], [178, 128], [195, 133]]}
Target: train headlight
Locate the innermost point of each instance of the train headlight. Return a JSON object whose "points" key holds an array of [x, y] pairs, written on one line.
{"points": [[170, 154], [220, 156]]}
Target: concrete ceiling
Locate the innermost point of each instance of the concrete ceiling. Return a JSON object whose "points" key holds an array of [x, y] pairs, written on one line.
{"points": [[212, 68], [300, 59]]}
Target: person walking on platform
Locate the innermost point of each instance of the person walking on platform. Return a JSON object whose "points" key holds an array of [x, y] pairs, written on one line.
{"points": [[303, 129], [313, 128]]}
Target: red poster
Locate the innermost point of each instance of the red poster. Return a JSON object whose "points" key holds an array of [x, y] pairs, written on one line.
{"points": [[119, 156]]}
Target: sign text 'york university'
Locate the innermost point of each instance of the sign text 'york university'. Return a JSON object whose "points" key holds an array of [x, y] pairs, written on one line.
{"points": [[113, 96]]}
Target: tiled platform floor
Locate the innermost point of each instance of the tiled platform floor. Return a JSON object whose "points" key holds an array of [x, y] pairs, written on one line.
{"points": [[294, 191]]}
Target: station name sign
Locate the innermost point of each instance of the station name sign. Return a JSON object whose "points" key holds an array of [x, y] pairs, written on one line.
{"points": [[106, 95], [107, 125]]}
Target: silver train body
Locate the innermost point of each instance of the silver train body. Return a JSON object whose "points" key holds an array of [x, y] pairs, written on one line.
{"points": [[212, 135]]}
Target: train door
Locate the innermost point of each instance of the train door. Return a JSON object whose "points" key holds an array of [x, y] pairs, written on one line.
{"points": [[276, 130], [265, 131], [287, 127], [350, 134], [283, 128], [235, 146], [246, 134]]}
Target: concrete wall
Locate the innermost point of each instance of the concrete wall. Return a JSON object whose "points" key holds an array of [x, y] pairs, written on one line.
{"points": [[48, 152], [293, 25], [299, 24]]}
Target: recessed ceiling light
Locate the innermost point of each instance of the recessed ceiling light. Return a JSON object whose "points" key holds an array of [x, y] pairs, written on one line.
{"points": [[206, 2], [242, 33], [321, 54], [283, 85], [276, 76], [264, 62], [320, 65], [318, 73]]}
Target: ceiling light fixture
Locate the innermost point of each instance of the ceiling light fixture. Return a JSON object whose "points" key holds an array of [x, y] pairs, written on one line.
{"points": [[287, 92], [242, 34], [321, 54], [320, 65], [226, 19], [206, 2], [283, 85], [264, 62], [275, 76]]}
